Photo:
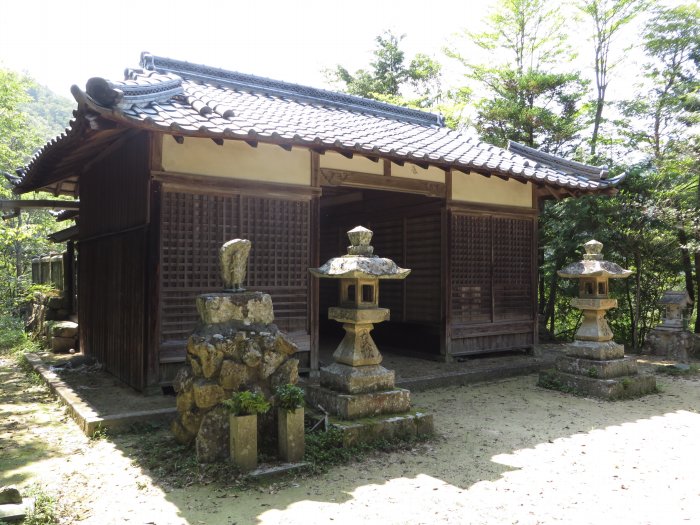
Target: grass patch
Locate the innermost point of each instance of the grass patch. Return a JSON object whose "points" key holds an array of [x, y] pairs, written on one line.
{"points": [[325, 449], [548, 379], [44, 512], [673, 370]]}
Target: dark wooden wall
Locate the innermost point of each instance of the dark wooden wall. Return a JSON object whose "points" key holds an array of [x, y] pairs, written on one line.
{"points": [[112, 248], [407, 229], [491, 282], [193, 228]]}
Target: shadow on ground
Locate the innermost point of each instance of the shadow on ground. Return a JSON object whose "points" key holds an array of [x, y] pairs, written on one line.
{"points": [[21, 398], [504, 449]]}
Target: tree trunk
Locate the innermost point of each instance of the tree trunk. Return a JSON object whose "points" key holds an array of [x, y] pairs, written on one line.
{"points": [[697, 277], [687, 266]]}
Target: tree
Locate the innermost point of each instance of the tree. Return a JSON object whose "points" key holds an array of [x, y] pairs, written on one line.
{"points": [[20, 134], [609, 18], [390, 79], [660, 125], [525, 98]]}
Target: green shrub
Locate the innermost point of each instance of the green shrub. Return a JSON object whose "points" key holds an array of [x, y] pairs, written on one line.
{"points": [[246, 403], [289, 397]]}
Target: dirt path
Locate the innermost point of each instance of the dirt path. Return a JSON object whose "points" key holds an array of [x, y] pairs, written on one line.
{"points": [[508, 452]]}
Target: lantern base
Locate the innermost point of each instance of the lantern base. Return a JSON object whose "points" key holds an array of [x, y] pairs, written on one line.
{"points": [[356, 379]]}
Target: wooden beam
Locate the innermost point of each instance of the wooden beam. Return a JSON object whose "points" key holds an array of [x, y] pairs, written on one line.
{"points": [[178, 138], [39, 204], [218, 142], [387, 168], [251, 143], [354, 179]]}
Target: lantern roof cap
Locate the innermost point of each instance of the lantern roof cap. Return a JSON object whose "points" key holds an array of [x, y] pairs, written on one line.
{"points": [[360, 261], [593, 265]]}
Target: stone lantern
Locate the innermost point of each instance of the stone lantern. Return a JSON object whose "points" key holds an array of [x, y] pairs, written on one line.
{"points": [[357, 358], [670, 339], [594, 364], [356, 385], [593, 274]]}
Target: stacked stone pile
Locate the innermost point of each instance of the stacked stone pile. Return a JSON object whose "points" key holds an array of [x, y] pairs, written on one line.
{"points": [[236, 347]]}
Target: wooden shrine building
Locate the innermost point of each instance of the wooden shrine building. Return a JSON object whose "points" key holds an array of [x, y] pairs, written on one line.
{"points": [[178, 158]]}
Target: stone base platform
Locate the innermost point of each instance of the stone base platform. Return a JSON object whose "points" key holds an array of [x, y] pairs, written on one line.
{"points": [[673, 344], [624, 387], [594, 368], [395, 427], [356, 379], [354, 406]]}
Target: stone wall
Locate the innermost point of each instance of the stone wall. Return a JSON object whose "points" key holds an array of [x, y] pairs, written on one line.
{"points": [[236, 347]]}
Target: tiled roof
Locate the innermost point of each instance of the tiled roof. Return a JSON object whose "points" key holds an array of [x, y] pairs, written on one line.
{"points": [[190, 100]]}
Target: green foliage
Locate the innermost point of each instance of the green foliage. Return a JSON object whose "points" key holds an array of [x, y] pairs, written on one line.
{"points": [[390, 79], [44, 512], [246, 403], [289, 397]]}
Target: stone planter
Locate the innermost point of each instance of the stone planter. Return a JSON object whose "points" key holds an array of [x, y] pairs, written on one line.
{"points": [[243, 444], [290, 434]]}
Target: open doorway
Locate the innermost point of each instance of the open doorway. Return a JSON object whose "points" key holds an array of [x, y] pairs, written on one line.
{"points": [[408, 229]]}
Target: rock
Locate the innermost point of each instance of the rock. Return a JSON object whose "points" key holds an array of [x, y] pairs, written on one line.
{"points": [[207, 394], [246, 308], [62, 344], [183, 379], [232, 375], [284, 345], [251, 354], [287, 374], [182, 435], [185, 400], [212, 442], [10, 495], [64, 329], [191, 420], [271, 361], [208, 357]]}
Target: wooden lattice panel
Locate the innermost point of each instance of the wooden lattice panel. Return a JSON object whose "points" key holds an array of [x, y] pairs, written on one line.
{"points": [[471, 269], [194, 226], [423, 257], [388, 242], [513, 263]]}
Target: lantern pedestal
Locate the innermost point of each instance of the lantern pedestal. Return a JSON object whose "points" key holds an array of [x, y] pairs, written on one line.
{"points": [[356, 385], [594, 364]]}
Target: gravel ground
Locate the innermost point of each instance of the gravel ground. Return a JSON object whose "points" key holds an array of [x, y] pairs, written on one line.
{"points": [[506, 452]]}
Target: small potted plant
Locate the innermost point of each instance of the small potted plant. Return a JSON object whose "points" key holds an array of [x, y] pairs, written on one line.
{"points": [[243, 437], [290, 422]]}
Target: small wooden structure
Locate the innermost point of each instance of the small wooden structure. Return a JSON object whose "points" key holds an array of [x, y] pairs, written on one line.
{"points": [[178, 158]]}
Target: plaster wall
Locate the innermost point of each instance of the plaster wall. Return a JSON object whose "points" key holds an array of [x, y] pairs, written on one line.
{"points": [[358, 163], [411, 171], [237, 160], [472, 187]]}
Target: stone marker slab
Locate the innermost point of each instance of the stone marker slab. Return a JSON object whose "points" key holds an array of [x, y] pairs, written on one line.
{"points": [[247, 308]]}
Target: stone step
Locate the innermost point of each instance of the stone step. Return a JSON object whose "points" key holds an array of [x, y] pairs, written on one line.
{"points": [[625, 387], [372, 429], [627, 366], [354, 406]]}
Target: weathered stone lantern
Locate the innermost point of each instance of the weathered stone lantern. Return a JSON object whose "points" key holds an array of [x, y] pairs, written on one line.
{"points": [[356, 385], [594, 364], [671, 339], [593, 274], [357, 358]]}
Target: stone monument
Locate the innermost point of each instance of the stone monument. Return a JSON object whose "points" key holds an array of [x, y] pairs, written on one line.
{"points": [[594, 364], [235, 347], [356, 385], [671, 339]]}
